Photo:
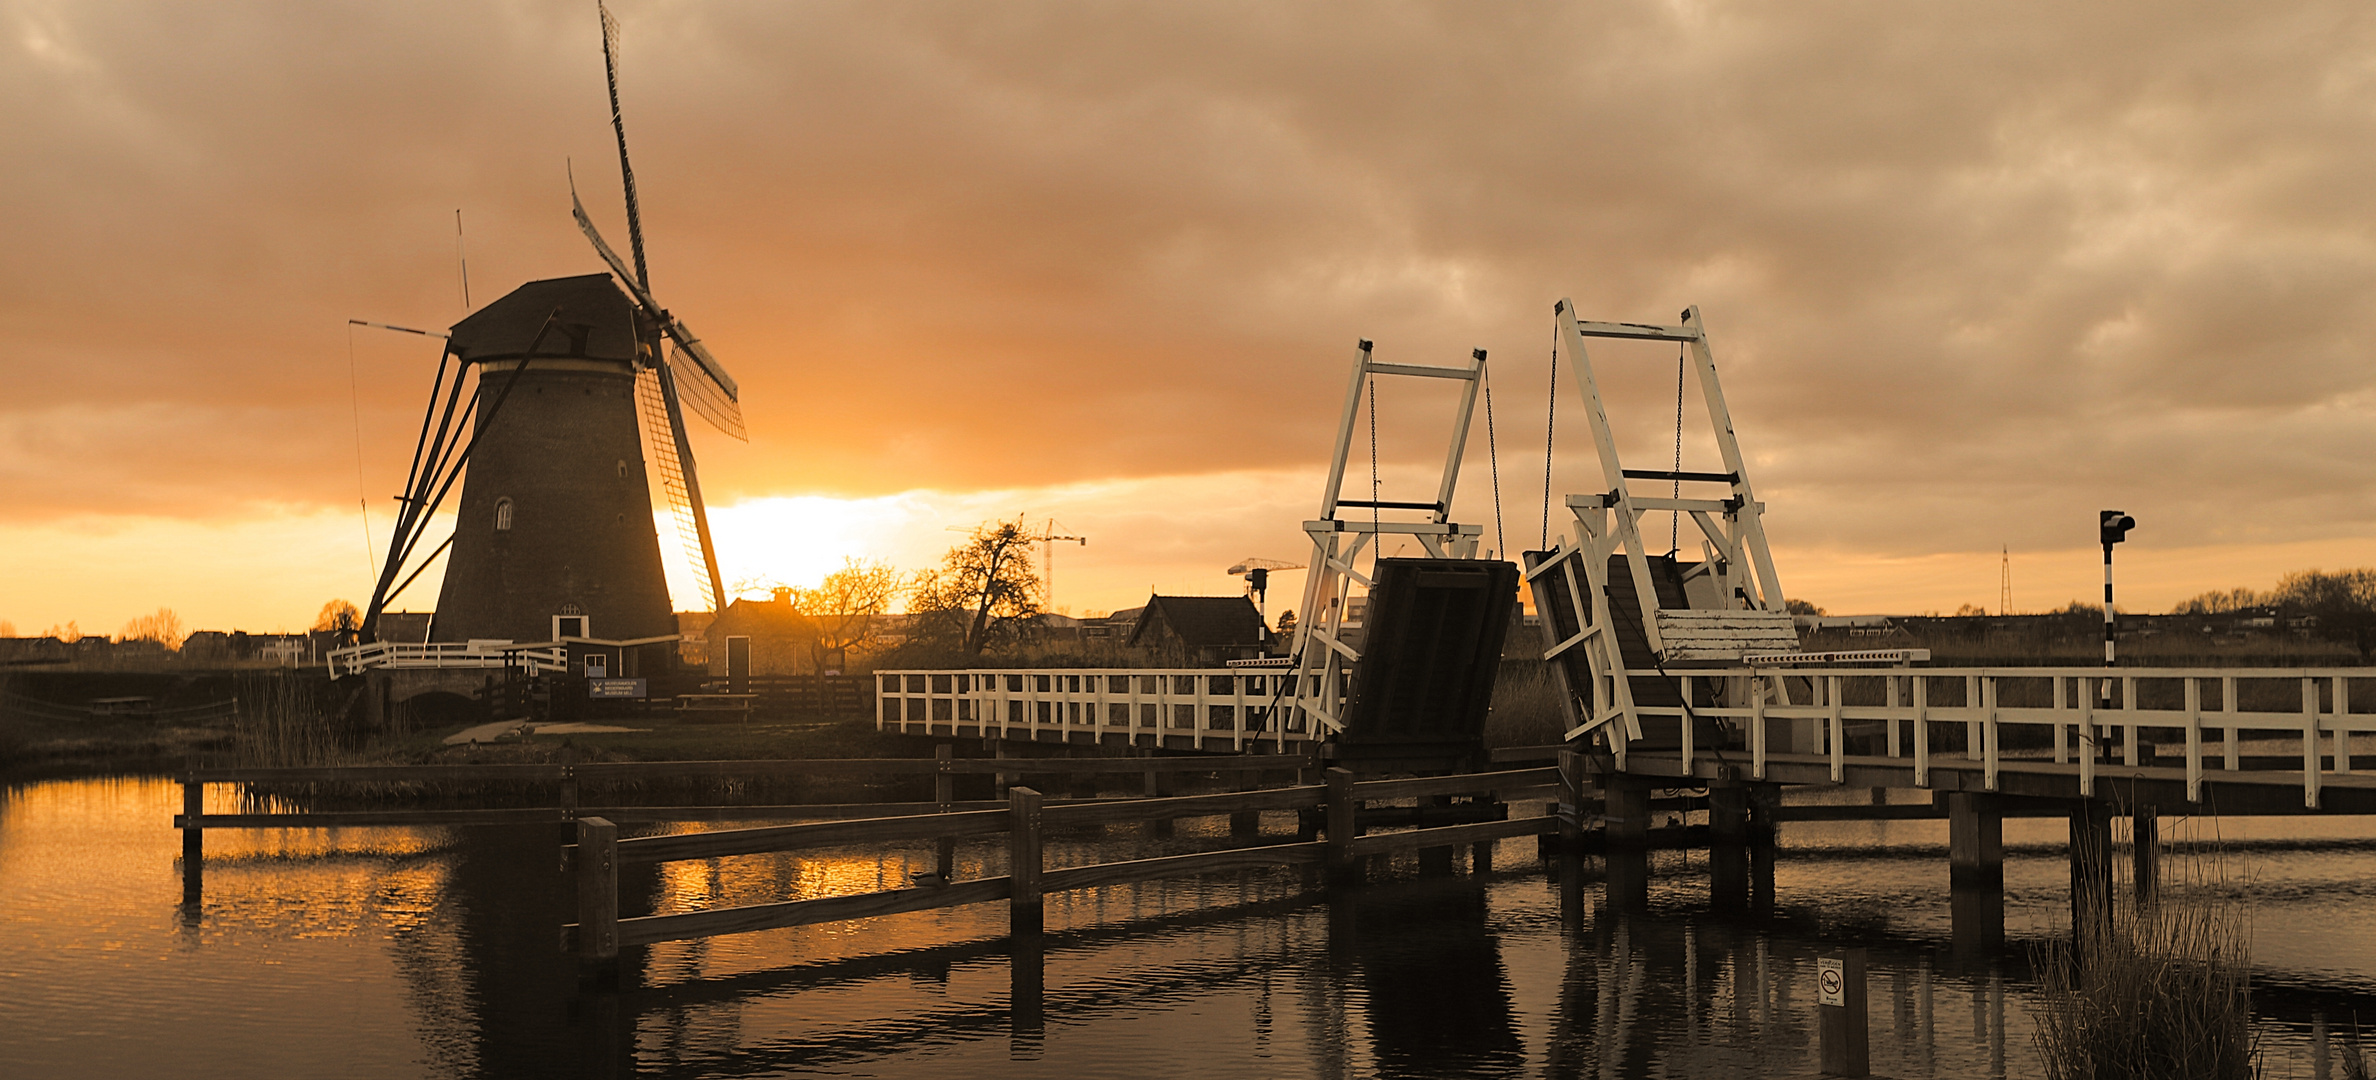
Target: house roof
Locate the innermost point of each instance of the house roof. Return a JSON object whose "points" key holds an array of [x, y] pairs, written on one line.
{"points": [[771, 618], [1202, 621]]}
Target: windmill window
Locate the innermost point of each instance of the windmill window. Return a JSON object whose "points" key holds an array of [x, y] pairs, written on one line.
{"points": [[622, 469], [503, 515]]}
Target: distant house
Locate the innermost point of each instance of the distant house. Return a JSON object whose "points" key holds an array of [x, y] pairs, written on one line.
{"points": [[693, 646], [783, 641], [1114, 627], [27, 651], [1199, 631]]}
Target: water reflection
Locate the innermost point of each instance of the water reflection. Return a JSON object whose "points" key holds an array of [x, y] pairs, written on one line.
{"points": [[395, 952]]}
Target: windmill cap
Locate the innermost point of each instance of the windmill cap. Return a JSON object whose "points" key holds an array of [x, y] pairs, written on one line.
{"points": [[595, 321]]}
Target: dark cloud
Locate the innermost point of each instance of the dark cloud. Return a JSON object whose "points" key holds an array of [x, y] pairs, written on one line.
{"points": [[1970, 271]]}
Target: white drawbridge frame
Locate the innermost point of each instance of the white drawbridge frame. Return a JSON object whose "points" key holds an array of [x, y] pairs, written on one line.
{"points": [[1750, 613], [1323, 651]]}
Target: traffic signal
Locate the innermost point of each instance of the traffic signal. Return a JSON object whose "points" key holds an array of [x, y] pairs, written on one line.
{"points": [[2115, 526]]}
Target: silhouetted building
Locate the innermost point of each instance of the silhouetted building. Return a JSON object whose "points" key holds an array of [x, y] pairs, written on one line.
{"points": [[783, 641], [1199, 631], [554, 536]]}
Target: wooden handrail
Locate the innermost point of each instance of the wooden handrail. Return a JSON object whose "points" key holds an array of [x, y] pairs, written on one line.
{"points": [[1230, 802], [599, 934], [714, 845], [1470, 783]]}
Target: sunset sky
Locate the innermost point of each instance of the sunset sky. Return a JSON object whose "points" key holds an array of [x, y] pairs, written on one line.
{"points": [[1972, 273]]}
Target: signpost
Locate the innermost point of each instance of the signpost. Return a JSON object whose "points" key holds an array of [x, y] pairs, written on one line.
{"points": [[1840, 1013]]}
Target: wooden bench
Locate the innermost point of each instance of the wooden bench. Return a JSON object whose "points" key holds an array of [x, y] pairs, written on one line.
{"points": [[1692, 634]]}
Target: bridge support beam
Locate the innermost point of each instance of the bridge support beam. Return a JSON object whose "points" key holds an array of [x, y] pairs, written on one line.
{"points": [[1976, 872], [2091, 866], [1627, 833], [2145, 851], [1741, 834]]}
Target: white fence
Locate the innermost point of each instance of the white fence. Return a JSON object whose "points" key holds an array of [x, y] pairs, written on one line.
{"points": [[356, 659], [2308, 709], [1207, 704]]}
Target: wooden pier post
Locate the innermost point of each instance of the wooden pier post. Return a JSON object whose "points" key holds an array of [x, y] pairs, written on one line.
{"points": [[569, 784], [193, 841], [2145, 852], [1246, 824], [1344, 868], [944, 796], [598, 899], [1975, 873], [1975, 841], [1840, 1012], [1023, 860], [1627, 833], [2091, 868], [1628, 812], [1728, 845]]}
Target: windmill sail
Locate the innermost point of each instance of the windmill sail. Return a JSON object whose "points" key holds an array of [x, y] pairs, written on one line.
{"points": [[707, 398], [701, 378], [713, 391], [660, 445]]}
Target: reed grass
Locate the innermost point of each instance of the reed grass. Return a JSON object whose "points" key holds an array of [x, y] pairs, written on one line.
{"points": [[1526, 707], [2156, 991], [283, 723]]}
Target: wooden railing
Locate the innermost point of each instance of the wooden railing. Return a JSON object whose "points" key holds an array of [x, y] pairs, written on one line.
{"points": [[595, 859], [567, 777], [355, 659], [2309, 707], [1223, 706]]}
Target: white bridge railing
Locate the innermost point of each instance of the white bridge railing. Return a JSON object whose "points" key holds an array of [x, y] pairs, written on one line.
{"points": [[1209, 704], [356, 659], [2304, 709]]}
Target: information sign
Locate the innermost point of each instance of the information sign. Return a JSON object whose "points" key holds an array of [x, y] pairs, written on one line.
{"points": [[614, 688]]}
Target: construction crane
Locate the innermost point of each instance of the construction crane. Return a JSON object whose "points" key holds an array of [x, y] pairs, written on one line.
{"points": [[1047, 538], [1257, 572]]}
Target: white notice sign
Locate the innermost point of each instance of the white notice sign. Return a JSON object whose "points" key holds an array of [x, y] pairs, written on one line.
{"points": [[1831, 978]]}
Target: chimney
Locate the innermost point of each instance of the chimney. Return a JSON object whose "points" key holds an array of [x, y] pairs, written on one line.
{"points": [[783, 595]]}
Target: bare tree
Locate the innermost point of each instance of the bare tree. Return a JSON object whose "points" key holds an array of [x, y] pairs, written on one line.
{"points": [[984, 589], [338, 615], [164, 628], [847, 607]]}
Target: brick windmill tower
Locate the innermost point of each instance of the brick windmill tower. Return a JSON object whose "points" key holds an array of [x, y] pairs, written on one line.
{"points": [[580, 389]]}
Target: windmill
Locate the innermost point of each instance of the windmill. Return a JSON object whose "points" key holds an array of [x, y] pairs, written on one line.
{"points": [[580, 385]]}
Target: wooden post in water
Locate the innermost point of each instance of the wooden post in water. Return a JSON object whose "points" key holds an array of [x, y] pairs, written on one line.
{"points": [[2145, 851], [1344, 868], [569, 784], [1023, 860], [944, 795], [598, 899], [193, 840], [1840, 1009], [1975, 873], [2091, 869]]}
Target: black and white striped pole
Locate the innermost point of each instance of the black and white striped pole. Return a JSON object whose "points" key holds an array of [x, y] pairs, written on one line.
{"points": [[2114, 527]]}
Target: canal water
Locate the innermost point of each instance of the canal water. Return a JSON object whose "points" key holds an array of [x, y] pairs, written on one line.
{"points": [[434, 953]]}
